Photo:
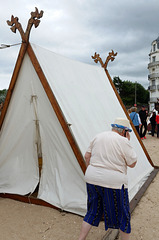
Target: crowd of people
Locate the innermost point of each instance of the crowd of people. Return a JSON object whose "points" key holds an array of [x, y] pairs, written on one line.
{"points": [[140, 121]]}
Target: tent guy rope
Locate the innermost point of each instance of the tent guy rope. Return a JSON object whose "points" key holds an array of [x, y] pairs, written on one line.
{"points": [[8, 45]]}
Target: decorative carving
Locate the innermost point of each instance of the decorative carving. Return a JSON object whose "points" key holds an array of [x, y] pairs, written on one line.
{"points": [[15, 25], [97, 59], [34, 20]]}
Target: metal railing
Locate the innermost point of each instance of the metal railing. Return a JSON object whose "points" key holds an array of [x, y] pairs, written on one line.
{"points": [[153, 75], [152, 88], [153, 64]]}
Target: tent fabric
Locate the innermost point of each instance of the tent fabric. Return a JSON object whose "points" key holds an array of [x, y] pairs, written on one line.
{"points": [[18, 155], [89, 105]]}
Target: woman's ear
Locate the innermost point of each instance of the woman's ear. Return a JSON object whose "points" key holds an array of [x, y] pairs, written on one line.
{"points": [[122, 133]]}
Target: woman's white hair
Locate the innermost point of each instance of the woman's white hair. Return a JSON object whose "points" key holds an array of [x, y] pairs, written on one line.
{"points": [[117, 129]]}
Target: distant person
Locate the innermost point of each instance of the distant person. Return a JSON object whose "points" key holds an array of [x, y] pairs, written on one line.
{"points": [[153, 123], [143, 116], [135, 118], [107, 159], [129, 111], [157, 122]]}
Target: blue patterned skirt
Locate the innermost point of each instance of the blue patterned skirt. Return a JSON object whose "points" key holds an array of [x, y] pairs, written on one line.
{"points": [[113, 203]]}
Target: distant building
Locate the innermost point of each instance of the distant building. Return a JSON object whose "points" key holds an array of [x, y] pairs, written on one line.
{"points": [[153, 76]]}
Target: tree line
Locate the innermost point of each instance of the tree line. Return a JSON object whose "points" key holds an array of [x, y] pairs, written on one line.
{"points": [[131, 92], [3, 94]]}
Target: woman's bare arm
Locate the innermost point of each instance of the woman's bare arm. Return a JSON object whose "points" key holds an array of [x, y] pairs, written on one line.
{"points": [[87, 158], [132, 165]]}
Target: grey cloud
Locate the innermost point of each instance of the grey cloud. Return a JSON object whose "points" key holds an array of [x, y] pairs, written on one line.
{"points": [[77, 29]]}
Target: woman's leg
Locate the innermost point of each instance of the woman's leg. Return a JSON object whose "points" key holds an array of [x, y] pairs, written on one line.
{"points": [[141, 135], [158, 130], [124, 236], [153, 130], [84, 230], [137, 128]]}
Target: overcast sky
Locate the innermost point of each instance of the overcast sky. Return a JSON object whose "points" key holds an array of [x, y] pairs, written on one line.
{"points": [[79, 28]]}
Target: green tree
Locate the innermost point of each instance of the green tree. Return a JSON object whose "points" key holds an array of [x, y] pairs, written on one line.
{"points": [[118, 84], [3, 94], [126, 90], [142, 94]]}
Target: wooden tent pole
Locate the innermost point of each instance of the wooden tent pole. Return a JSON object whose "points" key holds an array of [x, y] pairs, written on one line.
{"points": [[57, 109], [13, 81], [111, 57]]}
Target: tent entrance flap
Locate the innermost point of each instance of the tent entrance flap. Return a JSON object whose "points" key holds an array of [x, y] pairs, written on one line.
{"points": [[37, 137]]}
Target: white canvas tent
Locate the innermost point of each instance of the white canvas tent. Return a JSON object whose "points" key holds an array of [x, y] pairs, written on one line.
{"points": [[53, 108]]}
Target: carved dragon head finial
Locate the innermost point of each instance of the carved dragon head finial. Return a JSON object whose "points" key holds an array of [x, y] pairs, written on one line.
{"points": [[97, 59], [34, 20]]}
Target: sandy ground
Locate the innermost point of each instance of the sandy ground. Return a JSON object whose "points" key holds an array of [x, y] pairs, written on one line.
{"points": [[145, 218], [20, 221]]}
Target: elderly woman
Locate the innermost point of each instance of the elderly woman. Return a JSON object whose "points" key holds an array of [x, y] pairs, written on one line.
{"points": [[135, 118], [107, 159]]}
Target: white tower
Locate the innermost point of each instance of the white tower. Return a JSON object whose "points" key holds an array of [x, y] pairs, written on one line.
{"points": [[153, 76]]}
